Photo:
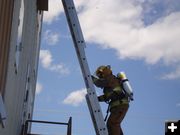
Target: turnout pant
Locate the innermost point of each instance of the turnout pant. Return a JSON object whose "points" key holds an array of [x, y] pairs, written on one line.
{"points": [[114, 121]]}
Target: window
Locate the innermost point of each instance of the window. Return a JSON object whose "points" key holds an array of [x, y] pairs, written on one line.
{"points": [[3, 115], [26, 95], [19, 38], [38, 42]]}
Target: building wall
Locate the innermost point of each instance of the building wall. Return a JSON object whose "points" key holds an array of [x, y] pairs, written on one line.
{"points": [[6, 8], [22, 61]]}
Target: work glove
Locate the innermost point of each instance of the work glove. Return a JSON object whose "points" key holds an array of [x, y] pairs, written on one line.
{"points": [[94, 78], [102, 98]]}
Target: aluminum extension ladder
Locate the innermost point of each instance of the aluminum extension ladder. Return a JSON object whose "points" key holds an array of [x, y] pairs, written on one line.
{"points": [[79, 44]]}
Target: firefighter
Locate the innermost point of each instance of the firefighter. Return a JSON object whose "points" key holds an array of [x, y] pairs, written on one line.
{"points": [[112, 94]]}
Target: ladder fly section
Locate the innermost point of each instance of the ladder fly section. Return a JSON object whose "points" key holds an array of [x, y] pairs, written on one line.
{"points": [[79, 44]]}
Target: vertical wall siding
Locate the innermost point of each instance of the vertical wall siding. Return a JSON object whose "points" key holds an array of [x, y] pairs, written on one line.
{"points": [[27, 61], [15, 85], [6, 8]]}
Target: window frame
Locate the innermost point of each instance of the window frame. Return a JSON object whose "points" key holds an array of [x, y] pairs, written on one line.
{"points": [[19, 46]]}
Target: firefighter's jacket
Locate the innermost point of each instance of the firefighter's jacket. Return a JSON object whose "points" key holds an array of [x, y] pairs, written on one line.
{"points": [[112, 90]]}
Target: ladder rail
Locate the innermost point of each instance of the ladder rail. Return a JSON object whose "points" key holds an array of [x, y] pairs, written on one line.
{"points": [[79, 44]]}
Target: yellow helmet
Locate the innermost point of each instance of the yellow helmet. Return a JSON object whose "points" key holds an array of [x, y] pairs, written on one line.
{"points": [[103, 71]]}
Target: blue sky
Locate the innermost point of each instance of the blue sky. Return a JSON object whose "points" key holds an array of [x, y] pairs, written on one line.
{"points": [[140, 37]]}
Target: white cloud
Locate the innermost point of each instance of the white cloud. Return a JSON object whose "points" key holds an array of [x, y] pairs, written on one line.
{"points": [[39, 88], [75, 98], [55, 9], [51, 38], [45, 58], [46, 62], [119, 25], [21, 20], [172, 75], [59, 68]]}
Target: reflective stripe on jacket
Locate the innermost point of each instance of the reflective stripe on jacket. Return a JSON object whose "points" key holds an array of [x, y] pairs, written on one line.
{"points": [[119, 103]]}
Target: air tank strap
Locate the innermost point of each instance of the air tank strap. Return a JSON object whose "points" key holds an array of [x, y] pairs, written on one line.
{"points": [[125, 80], [107, 112]]}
